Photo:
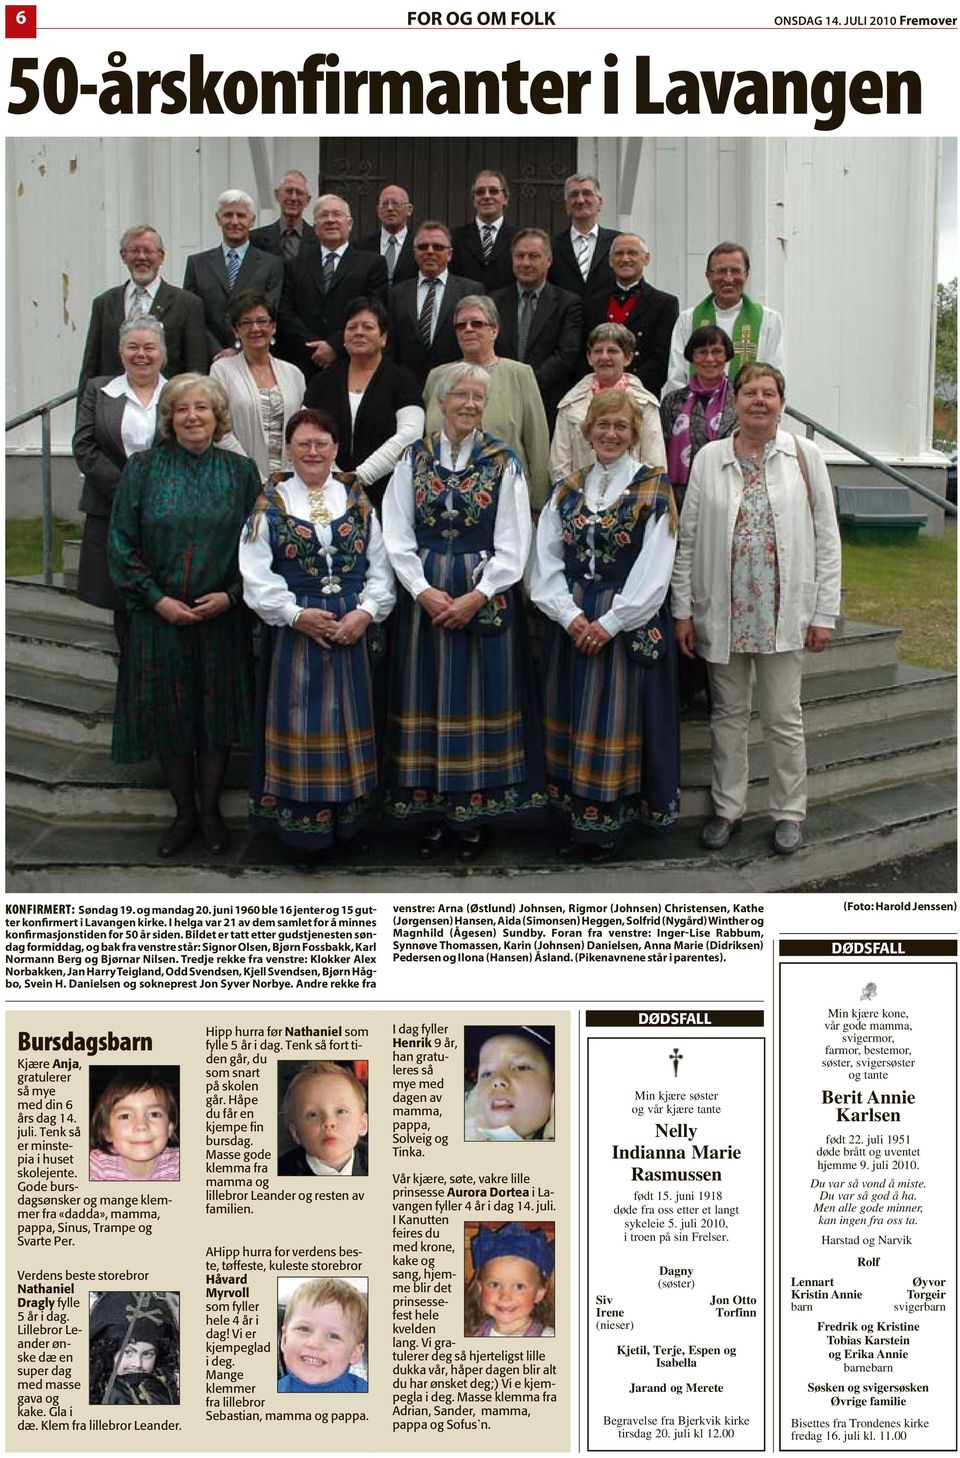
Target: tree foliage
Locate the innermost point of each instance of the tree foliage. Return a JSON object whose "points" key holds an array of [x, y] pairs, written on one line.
{"points": [[947, 330]]}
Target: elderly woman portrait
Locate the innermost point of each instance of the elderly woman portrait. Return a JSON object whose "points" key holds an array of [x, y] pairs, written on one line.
{"points": [[262, 392], [601, 573], [116, 417], [375, 404], [315, 571], [461, 741], [757, 581], [514, 410], [184, 687], [610, 350], [701, 410]]}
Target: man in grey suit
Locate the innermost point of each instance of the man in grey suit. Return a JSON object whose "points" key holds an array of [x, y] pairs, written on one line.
{"points": [[580, 252], [394, 240], [180, 313], [319, 286], [539, 323], [222, 272], [291, 232], [421, 309]]}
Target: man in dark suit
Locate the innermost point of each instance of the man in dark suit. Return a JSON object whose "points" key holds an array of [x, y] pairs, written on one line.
{"points": [[291, 232], [180, 313], [580, 251], [539, 323], [648, 313], [220, 273], [394, 241], [421, 309], [481, 249], [320, 284]]}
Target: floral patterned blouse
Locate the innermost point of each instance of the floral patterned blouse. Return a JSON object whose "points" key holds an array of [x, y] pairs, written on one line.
{"points": [[754, 569]]}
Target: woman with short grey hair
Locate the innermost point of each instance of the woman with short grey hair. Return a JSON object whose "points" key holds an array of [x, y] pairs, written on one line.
{"points": [[461, 743], [116, 417], [514, 408]]}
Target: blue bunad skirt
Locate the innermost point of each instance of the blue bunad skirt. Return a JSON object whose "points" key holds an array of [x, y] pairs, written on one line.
{"points": [[611, 720], [314, 772], [462, 742]]}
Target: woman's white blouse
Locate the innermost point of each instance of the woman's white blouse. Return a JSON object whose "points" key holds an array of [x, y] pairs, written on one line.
{"points": [[512, 532], [267, 593], [138, 424], [649, 577]]}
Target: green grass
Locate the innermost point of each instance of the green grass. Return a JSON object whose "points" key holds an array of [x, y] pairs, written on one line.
{"points": [[25, 545], [913, 588]]}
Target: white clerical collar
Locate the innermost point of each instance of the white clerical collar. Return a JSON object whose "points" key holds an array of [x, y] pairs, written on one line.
{"points": [[730, 309]]}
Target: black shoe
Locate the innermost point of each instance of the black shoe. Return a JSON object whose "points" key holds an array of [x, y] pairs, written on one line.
{"points": [[216, 836], [471, 846], [178, 834], [431, 845]]}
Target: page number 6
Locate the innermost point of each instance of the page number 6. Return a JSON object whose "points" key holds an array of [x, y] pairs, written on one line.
{"points": [[20, 20]]}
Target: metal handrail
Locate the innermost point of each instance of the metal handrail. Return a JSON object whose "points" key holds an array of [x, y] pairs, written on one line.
{"points": [[813, 426], [46, 469]]}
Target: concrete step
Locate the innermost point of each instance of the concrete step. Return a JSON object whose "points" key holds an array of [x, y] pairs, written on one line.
{"points": [[837, 700], [842, 835], [80, 711], [36, 612], [80, 782], [67, 646], [67, 710], [31, 595], [855, 646], [842, 761]]}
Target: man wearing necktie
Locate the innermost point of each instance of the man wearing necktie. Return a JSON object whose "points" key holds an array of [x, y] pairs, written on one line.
{"points": [[648, 313], [481, 249], [291, 232], [145, 292], [540, 325], [319, 285], [580, 251], [421, 309], [394, 238], [218, 274]]}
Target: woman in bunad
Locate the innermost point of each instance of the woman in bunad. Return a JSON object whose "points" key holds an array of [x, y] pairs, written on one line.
{"points": [[604, 554], [315, 571], [462, 748]]}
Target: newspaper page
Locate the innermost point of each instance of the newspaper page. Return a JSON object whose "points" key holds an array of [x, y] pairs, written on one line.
{"points": [[646, 1142]]}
